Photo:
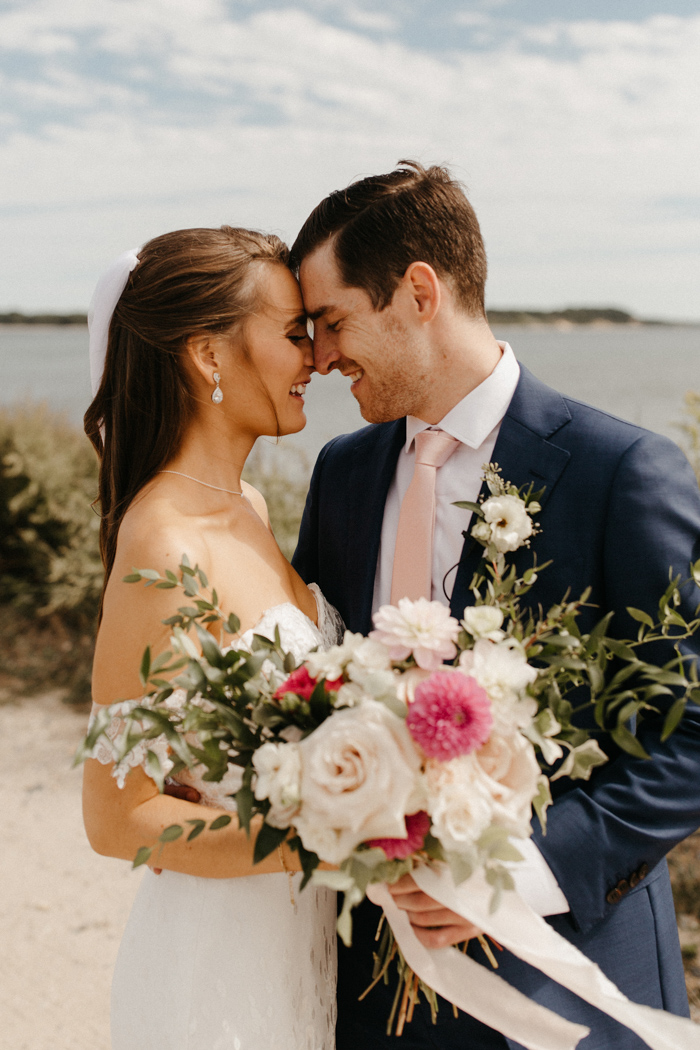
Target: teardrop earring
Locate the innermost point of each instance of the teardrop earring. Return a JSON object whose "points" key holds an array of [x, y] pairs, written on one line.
{"points": [[217, 396]]}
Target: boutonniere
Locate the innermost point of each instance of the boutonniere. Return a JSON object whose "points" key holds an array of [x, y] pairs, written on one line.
{"points": [[505, 519]]}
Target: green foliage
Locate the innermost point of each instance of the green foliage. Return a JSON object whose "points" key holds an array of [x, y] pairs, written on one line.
{"points": [[691, 429], [50, 568], [49, 533], [282, 476]]}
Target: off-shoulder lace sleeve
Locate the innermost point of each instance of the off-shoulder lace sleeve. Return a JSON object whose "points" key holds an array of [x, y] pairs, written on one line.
{"points": [[114, 723], [330, 622]]}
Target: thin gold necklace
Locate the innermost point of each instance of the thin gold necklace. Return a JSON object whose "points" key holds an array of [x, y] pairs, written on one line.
{"points": [[231, 492]]}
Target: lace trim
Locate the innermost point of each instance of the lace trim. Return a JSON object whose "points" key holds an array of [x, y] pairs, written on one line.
{"points": [[330, 622], [298, 637]]}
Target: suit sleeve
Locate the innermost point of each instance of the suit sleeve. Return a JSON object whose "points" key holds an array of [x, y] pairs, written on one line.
{"points": [[633, 811]]}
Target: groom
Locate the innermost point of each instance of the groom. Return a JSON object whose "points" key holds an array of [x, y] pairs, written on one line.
{"points": [[392, 272]]}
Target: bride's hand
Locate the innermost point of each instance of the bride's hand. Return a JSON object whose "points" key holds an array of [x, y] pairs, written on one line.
{"points": [[434, 925]]}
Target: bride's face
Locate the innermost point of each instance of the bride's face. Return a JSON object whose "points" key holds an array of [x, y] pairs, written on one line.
{"points": [[274, 358]]}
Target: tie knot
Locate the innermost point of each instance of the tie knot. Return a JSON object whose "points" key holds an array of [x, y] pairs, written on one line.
{"points": [[434, 447]]}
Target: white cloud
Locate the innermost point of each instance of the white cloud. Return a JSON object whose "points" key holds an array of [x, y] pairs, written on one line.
{"points": [[567, 135]]}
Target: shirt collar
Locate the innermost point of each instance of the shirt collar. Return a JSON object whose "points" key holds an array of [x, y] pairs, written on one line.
{"points": [[474, 417]]}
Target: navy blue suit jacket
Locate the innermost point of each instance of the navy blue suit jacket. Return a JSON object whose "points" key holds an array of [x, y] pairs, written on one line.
{"points": [[621, 506]]}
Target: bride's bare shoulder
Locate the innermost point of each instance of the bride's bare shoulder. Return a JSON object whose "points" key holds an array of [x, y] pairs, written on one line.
{"points": [[154, 529]]}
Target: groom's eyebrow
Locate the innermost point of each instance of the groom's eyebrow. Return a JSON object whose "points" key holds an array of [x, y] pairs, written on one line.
{"points": [[313, 315]]}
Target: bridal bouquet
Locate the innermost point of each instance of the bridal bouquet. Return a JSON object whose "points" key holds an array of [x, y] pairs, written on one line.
{"points": [[427, 744]]}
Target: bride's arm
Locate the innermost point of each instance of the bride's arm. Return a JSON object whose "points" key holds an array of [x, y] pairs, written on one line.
{"points": [[118, 821]]}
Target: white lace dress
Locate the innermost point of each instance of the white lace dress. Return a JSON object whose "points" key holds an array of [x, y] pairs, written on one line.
{"points": [[231, 964]]}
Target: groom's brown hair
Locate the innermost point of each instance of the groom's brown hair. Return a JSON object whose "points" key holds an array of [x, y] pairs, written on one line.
{"points": [[381, 224]]}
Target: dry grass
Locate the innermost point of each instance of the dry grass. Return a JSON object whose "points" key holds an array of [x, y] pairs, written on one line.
{"points": [[684, 862]]}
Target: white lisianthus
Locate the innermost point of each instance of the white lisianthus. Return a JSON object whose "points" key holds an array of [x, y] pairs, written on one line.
{"points": [[458, 802], [509, 523], [359, 772], [370, 667], [509, 773], [278, 769], [501, 668], [330, 663], [484, 621], [422, 628], [350, 694]]}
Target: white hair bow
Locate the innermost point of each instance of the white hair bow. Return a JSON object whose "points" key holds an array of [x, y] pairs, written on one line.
{"points": [[104, 300]]}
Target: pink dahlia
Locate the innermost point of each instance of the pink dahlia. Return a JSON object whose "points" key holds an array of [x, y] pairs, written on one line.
{"points": [[301, 683], [417, 827], [450, 715]]}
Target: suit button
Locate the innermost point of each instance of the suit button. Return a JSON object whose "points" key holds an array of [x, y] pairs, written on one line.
{"points": [[634, 879], [623, 886], [643, 870], [614, 897]]}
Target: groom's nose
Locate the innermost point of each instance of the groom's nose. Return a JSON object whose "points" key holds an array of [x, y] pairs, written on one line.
{"points": [[326, 357]]}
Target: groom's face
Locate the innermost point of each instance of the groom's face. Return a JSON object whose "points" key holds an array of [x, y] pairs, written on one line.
{"points": [[379, 350]]}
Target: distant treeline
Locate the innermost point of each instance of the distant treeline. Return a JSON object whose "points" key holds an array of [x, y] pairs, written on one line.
{"points": [[572, 315], [17, 318]]}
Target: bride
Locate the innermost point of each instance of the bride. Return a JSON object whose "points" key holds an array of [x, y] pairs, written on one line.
{"points": [[205, 350]]}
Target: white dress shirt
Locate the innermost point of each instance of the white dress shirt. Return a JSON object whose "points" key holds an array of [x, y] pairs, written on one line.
{"points": [[475, 422]]}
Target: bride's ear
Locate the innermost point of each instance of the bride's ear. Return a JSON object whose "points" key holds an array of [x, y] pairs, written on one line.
{"points": [[204, 354]]}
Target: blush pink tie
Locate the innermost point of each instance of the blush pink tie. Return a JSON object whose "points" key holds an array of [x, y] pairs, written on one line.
{"points": [[413, 558]]}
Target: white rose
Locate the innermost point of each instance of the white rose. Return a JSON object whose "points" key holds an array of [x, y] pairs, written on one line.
{"points": [[509, 773], [484, 621], [458, 802], [359, 771], [510, 524], [278, 768], [501, 668]]}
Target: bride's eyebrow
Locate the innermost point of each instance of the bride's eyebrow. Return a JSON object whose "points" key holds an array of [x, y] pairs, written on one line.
{"points": [[295, 322]]}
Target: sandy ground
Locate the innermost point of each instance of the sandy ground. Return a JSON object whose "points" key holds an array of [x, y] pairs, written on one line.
{"points": [[62, 907]]}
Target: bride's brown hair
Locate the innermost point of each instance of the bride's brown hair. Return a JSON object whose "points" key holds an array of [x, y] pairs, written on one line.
{"points": [[200, 280]]}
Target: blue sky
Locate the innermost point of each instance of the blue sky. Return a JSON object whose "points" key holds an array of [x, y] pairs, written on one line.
{"points": [[576, 129]]}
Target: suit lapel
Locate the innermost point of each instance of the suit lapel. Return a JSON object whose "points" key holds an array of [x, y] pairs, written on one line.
{"points": [[524, 453], [368, 485]]}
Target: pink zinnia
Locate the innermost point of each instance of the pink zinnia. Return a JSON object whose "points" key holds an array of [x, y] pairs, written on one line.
{"points": [[301, 683], [450, 715], [417, 827]]}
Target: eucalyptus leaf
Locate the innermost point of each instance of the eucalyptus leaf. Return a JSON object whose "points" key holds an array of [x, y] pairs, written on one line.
{"points": [[673, 718], [171, 833], [221, 822], [267, 840], [143, 856]]}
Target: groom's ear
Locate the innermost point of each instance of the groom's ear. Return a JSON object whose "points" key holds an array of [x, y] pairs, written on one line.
{"points": [[422, 286]]}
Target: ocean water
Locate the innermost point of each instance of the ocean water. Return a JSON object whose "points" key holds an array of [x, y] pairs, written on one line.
{"points": [[640, 373]]}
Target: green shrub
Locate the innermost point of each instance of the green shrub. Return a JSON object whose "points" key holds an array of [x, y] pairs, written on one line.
{"points": [[691, 429], [49, 532], [282, 475]]}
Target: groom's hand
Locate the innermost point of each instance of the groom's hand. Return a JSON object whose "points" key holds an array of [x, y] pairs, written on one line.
{"points": [[433, 925]]}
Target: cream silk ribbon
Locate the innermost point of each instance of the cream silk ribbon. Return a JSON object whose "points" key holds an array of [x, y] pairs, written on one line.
{"points": [[484, 995]]}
